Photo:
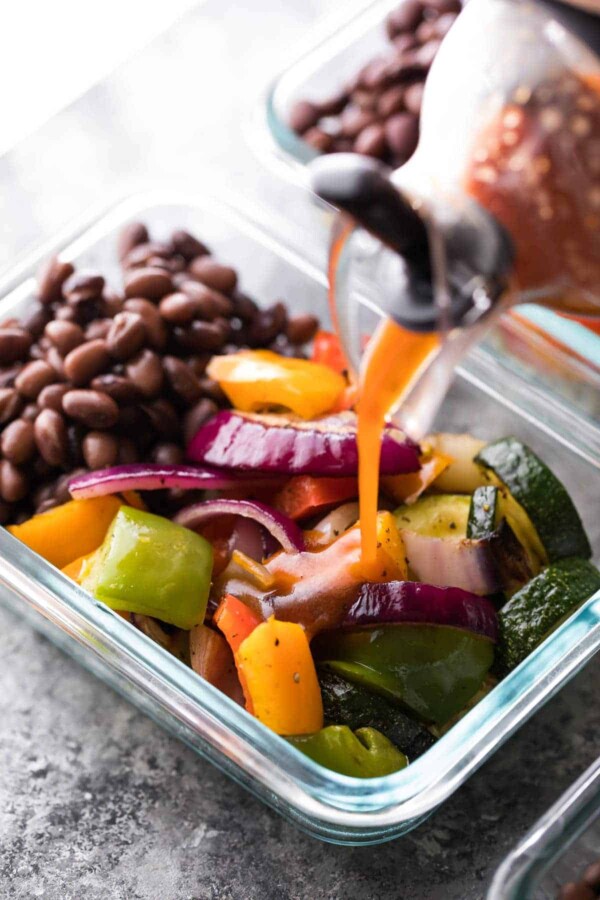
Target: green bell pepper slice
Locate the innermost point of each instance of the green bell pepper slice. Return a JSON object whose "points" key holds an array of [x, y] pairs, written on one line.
{"points": [[364, 753], [433, 670], [148, 564]]}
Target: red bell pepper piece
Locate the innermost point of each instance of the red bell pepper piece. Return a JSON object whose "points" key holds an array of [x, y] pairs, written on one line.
{"points": [[327, 350], [305, 495]]}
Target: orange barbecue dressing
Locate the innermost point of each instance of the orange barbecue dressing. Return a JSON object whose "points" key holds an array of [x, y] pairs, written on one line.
{"points": [[392, 362]]}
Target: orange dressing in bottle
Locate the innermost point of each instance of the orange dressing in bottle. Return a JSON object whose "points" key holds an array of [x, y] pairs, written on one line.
{"points": [[393, 360]]}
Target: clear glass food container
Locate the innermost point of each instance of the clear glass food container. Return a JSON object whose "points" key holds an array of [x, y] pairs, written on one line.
{"points": [[484, 399], [558, 848], [558, 356]]}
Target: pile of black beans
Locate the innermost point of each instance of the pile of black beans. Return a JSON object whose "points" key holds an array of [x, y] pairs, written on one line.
{"points": [[92, 377], [377, 114], [588, 888]]}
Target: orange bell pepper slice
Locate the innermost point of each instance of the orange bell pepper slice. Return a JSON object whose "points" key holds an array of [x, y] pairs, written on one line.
{"points": [[67, 532], [79, 567], [408, 487], [256, 380], [305, 495], [280, 676]]}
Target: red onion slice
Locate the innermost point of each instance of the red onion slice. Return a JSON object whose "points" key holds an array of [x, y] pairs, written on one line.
{"points": [[247, 536], [411, 601], [152, 477], [283, 529], [282, 444]]}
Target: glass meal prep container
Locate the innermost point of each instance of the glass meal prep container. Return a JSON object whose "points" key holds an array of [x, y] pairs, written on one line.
{"points": [[558, 356], [484, 399], [559, 847]]}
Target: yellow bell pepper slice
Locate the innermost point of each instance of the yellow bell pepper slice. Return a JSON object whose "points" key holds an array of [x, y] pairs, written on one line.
{"points": [[67, 532], [389, 563], [258, 380], [277, 669]]}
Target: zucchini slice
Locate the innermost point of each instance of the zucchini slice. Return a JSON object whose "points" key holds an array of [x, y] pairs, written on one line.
{"points": [[345, 703], [437, 515], [483, 512], [438, 551], [541, 495], [540, 606]]}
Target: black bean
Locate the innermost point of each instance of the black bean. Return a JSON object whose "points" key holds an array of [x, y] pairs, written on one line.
{"points": [[156, 331], [371, 142], [100, 449], [13, 482], [163, 419], [318, 139], [146, 372], [121, 389], [34, 377], [97, 329], [179, 308], [142, 254], [50, 433], [82, 286], [199, 336], [11, 404], [14, 345], [197, 416], [131, 235], [18, 442], [187, 245], [168, 454], [51, 278], [86, 361], [128, 452], [51, 396], [126, 335], [182, 380], [402, 134], [92, 408], [36, 319], [213, 274], [64, 335], [148, 282], [405, 18], [303, 115], [302, 328]]}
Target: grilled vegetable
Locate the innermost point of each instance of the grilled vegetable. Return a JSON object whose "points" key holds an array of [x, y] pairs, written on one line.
{"points": [[351, 704], [291, 446], [432, 670], [462, 475], [363, 754], [541, 495], [540, 606], [67, 532], [483, 512], [410, 601], [256, 380], [151, 566], [438, 551], [277, 670]]}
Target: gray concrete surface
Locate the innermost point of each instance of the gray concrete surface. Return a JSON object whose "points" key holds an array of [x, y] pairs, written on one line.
{"points": [[95, 801]]}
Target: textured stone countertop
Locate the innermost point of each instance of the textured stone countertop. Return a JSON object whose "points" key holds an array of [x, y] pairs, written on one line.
{"points": [[95, 800]]}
